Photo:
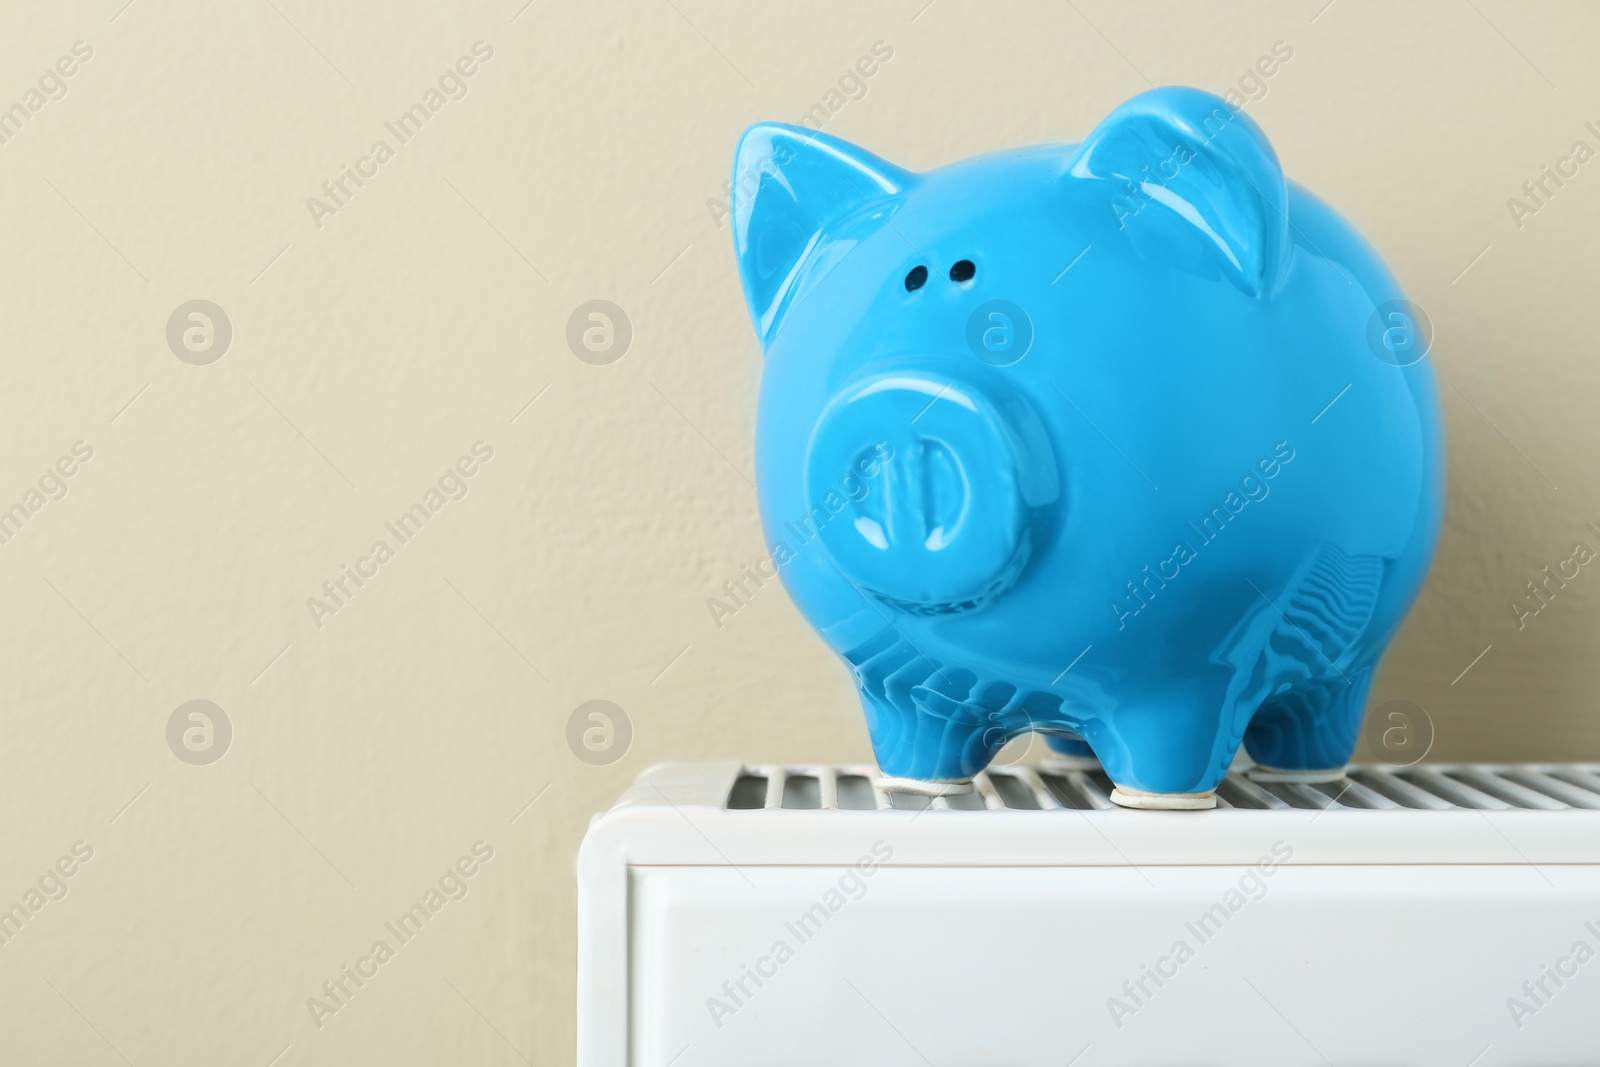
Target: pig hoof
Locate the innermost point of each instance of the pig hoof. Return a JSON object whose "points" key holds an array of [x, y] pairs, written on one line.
{"points": [[923, 788], [1134, 798], [1058, 761], [1259, 773]]}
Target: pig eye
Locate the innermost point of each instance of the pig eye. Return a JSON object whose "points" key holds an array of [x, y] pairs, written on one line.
{"points": [[962, 270], [915, 279]]}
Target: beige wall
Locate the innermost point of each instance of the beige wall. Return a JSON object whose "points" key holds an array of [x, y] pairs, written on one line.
{"points": [[371, 351]]}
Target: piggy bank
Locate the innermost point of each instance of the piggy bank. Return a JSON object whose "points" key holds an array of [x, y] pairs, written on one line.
{"points": [[1132, 443]]}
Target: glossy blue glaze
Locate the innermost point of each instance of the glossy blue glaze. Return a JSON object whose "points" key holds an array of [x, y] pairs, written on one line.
{"points": [[1164, 474]]}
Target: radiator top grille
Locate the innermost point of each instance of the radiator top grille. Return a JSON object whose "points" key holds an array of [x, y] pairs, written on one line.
{"points": [[1025, 787]]}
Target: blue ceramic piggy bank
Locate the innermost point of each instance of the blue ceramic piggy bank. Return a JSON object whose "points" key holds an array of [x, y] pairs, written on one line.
{"points": [[1131, 442]]}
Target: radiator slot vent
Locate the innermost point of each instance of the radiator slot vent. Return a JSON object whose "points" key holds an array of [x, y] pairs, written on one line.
{"points": [[1023, 787], [1402, 793], [1236, 792], [1296, 796], [802, 791], [855, 793], [1014, 792], [749, 791], [1555, 788], [1457, 794], [1065, 793]]}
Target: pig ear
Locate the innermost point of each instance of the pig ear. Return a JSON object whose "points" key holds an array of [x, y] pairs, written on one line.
{"points": [[790, 186], [1181, 158]]}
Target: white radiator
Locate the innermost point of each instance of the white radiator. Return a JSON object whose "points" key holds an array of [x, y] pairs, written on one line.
{"points": [[737, 916]]}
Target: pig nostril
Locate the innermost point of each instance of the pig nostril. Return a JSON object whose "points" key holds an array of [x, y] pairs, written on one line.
{"points": [[915, 279], [962, 270]]}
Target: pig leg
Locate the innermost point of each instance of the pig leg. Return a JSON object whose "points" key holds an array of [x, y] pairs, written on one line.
{"points": [[1170, 752], [927, 742], [1309, 733]]}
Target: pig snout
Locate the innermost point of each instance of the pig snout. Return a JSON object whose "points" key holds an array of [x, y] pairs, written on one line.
{"points": [[920, 487]]}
